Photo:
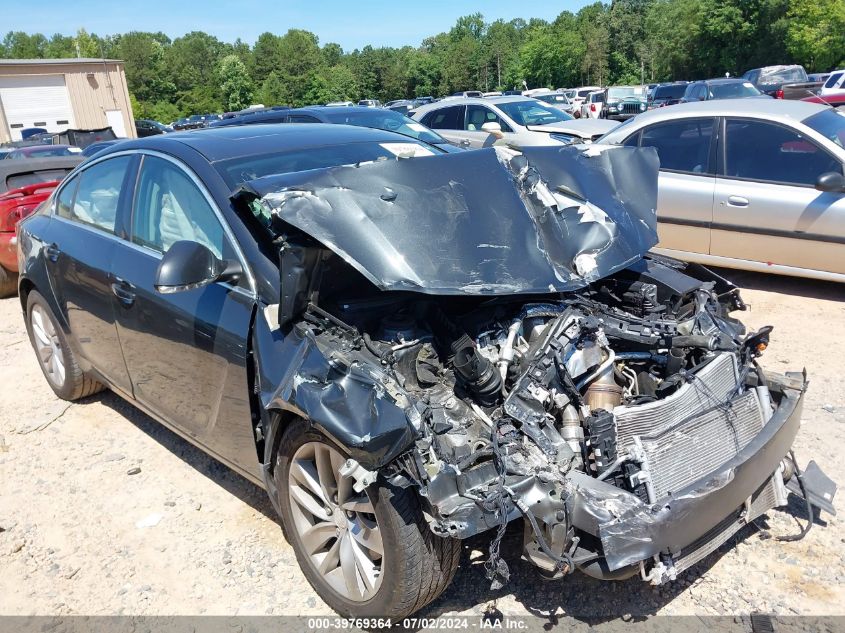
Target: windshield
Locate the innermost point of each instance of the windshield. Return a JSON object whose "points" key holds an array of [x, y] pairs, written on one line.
{"points": [[245, 168], [830, 124], [733, 90], [389, 120], [532, 112], [49, 151], [584, 93], [782, 75], [558, 99], [620, 92], [675, 91]]}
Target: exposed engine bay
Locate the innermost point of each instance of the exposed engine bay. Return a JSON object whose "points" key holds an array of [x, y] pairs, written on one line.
{"points": [[571, 411], [606, 397]]}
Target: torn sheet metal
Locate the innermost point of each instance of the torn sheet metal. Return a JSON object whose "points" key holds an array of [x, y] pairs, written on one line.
{"points": [[491, 221], [346, 400]]}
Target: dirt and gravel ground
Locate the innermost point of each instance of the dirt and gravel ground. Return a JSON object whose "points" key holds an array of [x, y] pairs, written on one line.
{"points": [[103, 511]]}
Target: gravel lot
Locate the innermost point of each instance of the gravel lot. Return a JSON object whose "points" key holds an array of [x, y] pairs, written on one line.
{"points": [[103, 511]]}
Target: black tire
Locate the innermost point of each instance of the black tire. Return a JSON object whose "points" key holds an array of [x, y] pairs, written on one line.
{"points": [[8, 283], [75, 384], [421, 564]]}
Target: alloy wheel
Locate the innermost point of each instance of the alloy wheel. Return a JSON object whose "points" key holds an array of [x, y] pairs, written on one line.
{"points": [[336, 526], [47, 345]]}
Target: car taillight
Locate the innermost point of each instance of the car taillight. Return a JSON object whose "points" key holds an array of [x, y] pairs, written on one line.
{"points": [[15, 215], [779, 93], [592, 107]]}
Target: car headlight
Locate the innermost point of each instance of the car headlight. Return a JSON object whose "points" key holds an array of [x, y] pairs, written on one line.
{"points": [[564, 138], [612, 106], [642, 106]]}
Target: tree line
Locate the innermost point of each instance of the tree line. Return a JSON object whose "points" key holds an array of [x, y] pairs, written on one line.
{"points": [[620, 42]]}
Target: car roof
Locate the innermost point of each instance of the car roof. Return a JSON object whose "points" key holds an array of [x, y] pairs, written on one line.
{"points": [[453, 101], [337, 110], [223, 143], [775, 109], [721, 80]]}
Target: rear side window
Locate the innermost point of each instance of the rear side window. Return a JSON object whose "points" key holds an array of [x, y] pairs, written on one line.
{"points": [[757, 150], [169, 207], [833, 80], [97, 194], [683, 146], [446, 118]]}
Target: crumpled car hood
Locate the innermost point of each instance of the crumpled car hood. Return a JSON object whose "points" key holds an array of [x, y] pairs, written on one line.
{"points": [[490, 221]]}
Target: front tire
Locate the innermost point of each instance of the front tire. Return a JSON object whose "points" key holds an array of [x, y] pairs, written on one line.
{"points": [[55, 357], [368, 554]]}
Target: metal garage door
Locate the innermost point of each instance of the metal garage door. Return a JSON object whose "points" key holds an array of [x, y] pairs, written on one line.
{"points": [[35, 101]]}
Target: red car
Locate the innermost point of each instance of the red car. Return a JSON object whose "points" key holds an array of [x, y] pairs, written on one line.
{"points": [[24, 184], [14, 206], [836, 99]]}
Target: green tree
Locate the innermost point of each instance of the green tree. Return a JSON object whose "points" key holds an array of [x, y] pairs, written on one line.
{"points": [[299, 63], [816, 33], [235, 83], [20, 45], [272, 90]]}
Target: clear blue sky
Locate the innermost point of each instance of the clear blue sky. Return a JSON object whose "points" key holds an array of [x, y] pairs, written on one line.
{"points": [[352, 24]]}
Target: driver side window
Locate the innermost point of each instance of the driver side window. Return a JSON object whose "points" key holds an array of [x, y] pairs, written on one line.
{"points": [[169, 207], [477, 116]]}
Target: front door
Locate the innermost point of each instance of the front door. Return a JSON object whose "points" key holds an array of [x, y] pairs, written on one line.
{"points": [[766, 207], [186, 351]]}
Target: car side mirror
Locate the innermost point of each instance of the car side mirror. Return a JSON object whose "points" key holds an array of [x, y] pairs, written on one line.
{"points": [[492, 127], [187, 265], [831, 182]]}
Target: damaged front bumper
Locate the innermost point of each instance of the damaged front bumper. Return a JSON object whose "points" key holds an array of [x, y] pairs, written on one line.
{"points": [[631, 531], [621, 535]]}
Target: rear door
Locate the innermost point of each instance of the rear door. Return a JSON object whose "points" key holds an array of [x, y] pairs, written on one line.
{"points": [[80, 247], [185, 351], [687, 180], [766, 206]]}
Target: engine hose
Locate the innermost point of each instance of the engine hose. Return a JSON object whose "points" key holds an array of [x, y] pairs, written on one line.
{"points": [[806, 529]]}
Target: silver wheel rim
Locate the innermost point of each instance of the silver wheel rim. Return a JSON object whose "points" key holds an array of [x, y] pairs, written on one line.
{"points": [[47, 346], [336, 526]]}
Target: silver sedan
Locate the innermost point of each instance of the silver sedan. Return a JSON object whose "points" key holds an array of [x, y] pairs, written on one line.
{"points": [[519, 120], [749, 184]]}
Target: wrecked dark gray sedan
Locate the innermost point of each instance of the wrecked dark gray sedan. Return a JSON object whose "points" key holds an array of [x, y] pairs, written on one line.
{"points": [[407, 348]]}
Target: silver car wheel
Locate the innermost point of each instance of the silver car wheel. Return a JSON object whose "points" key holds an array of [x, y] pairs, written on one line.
{"points": [[48, 346], [336, 526]]}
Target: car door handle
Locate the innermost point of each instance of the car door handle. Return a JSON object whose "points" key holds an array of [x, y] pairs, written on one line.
{"points": [[737, 201], [52, 251], [124, 291]]}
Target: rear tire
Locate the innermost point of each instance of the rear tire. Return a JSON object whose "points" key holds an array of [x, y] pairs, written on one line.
{"points": [[8, 283], [55, 357], [415, 564]]}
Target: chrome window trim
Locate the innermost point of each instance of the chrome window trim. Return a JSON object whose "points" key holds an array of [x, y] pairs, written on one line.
{"points": [[227, 230]]}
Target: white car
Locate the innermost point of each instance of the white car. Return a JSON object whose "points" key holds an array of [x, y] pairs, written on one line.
{"points": [[592, 106], [834, 83], [520, 120], [578, 95]]}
